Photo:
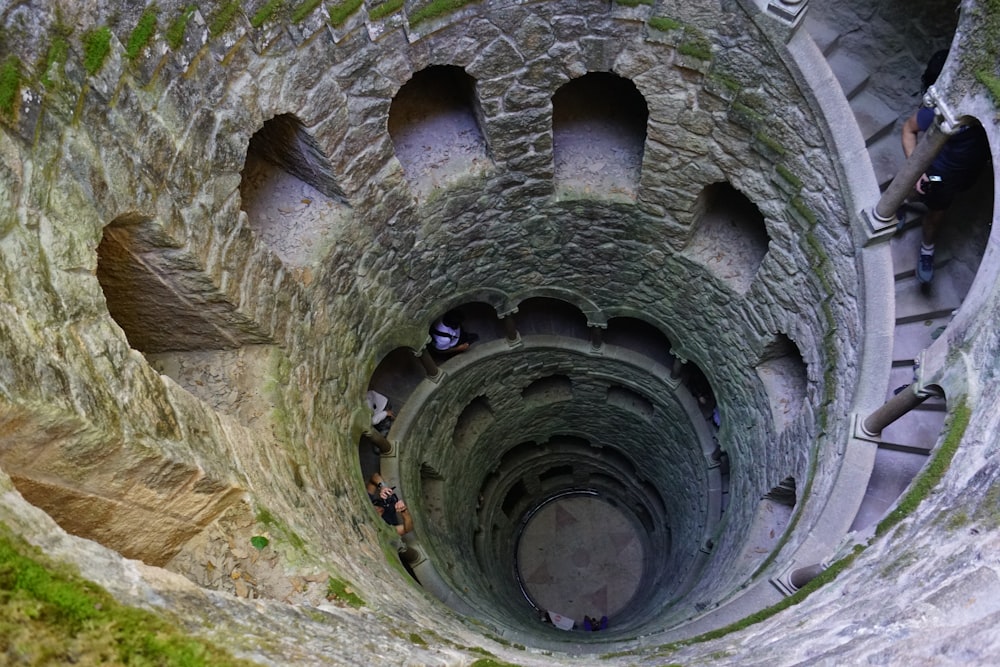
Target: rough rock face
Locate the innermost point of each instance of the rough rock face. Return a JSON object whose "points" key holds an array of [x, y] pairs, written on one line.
{"points": [[208, 248]]}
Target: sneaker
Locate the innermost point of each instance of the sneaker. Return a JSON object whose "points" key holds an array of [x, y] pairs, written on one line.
{"points": [[925, 266]]}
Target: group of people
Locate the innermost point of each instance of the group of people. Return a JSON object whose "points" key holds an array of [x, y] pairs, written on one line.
{"points": [[954, 170], [447, 337], [589, 623]]}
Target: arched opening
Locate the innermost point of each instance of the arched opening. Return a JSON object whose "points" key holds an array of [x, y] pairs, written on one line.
{"points": [[785, 377], [599, 136], [640, 336], [434, 123], [552, 317], [730, 237], [289, 193]]}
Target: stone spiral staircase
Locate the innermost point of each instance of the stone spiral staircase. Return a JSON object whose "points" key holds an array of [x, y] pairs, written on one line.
{"points": [[922, 313]]}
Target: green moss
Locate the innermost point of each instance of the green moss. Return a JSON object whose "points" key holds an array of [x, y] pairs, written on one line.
{"points": [[933, 471], [266, 12], [141, 35], [259, 542], [770, 142], [663, 23], [10, 85], [265, 518], [992, 83], [223, 19], [890, 569], [695, 44], [300, 13], [789, 177], [988, 512], [96, 46], [341, 11], [727, 82], [51, 615], [175, 33], [803, 209], [436, 9], [385, 9], [634, 3], [490, 662], [957, 520], [55, 57], [417, 639], [338, 589]]}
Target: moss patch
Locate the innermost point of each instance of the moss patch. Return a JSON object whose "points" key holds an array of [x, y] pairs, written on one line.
{"points": [[51, 615], [340, 590], [789, 177], [300, 13], [695, 44], [10, 85], [663, 23], [266, 12], [933, 471], [633, 3], [341, 11], [385, 9], [436, 9], [141, 35], [175, 33], [223, 19], [96, 46]]}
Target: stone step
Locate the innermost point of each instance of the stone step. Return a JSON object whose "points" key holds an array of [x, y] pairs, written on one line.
{"points": [[850, 72], [890, 476], [886, 154], [916, 430], [911, 338], [916, 302], [875, 117], [825, 37]]}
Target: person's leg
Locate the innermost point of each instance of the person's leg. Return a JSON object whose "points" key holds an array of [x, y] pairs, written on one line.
{"points": [[929, 229]]}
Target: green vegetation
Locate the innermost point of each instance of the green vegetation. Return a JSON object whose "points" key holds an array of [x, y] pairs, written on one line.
{"points": [[55, 56], [803, 209], [259, 542], [789, 177], [340, 12], [141, 35], [10, 85], [988, 512], [933, 471], [634, 3], [695, 44], [385, 9], [663, 23], [304, 10], [490, 662], [338, 589], [264, 14], [437, 8], [417, 639], [770, 142], [96, 46], [992, 83], [265, 518], [223, 19], [175, 33], [51, 615]]}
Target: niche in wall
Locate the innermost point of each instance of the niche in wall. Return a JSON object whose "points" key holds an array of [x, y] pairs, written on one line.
{"points": [[730, 237], [554, 317], [599, 136], [288, 191], [475, 418], [627, 399], [785, 378], [435, 126], [549, 389], [639, 336]]}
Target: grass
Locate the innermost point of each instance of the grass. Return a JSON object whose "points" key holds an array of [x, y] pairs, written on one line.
{"points": [[10, 85], [932, 473], [142, 33], [96, 46], [338, 589], [340, 12], [56, 54], [175, 33], [266, 12], [305, 9], [385, 9], [51, 615], [436, 9], [695, 45], [223, 19], [663, 23], [633, 3]]}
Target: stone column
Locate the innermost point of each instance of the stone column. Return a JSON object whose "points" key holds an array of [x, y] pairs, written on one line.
{"points": [[893, 409], [379, 440], [511, 333], [430, 366], [596, 338]]}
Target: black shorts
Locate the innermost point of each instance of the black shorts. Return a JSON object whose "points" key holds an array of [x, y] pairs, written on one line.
{"points": [[940, 194]]}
